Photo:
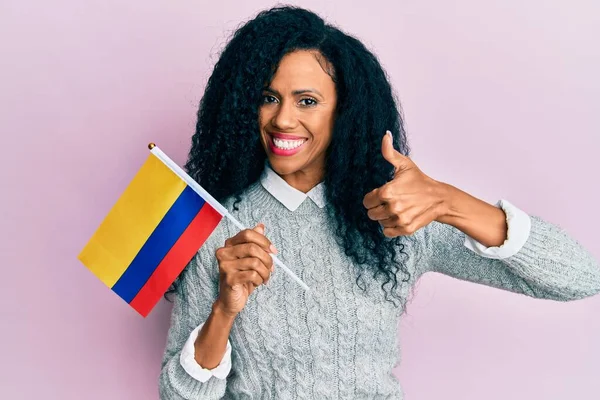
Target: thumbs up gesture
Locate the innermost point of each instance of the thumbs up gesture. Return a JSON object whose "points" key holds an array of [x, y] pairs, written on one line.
{"points": [[409, 201]]}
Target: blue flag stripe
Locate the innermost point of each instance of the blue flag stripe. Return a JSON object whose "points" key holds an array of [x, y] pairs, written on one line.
{"points": [[169, 229]]}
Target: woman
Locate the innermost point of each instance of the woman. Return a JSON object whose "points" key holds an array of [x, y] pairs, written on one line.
{"points": [[290, 137]]}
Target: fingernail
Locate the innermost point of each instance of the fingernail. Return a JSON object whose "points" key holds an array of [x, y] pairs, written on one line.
{"points": [[389, 134], [273, 249]]}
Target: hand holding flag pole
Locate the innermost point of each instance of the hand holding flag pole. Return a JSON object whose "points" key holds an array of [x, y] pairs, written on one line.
{"points": [[153, 231], [213, 202]]}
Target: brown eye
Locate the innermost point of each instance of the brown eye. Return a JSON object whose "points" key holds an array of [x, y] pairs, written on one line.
{"points": [[308, 102], [267, 99]]}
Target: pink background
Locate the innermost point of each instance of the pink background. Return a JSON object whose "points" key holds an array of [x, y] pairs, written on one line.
{"points": [[501, 99]]}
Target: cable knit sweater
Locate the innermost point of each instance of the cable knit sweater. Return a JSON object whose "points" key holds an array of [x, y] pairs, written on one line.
{"points": [[338, 341]]}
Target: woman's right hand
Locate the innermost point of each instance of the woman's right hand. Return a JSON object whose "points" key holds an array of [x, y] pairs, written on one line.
{"points": [[244, 264]]}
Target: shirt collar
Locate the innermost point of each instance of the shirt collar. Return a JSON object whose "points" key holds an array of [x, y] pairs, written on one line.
{"points": [[287, 195]]}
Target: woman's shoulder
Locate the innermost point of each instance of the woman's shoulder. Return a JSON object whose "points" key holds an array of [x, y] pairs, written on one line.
{"points": [[238, 204]]}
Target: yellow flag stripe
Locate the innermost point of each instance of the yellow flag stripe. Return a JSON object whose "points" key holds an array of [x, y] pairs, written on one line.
{"points": [[131, 221]]}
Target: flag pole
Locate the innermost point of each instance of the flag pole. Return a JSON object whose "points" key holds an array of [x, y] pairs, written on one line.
{"points": [[214, 203]]}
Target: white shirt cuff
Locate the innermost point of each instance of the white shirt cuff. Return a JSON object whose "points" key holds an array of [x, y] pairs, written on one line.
{"points": [[189, 364], [519, 227]]}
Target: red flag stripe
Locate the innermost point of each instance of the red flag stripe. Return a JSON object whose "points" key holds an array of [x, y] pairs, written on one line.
{"points": [[176, 259]]}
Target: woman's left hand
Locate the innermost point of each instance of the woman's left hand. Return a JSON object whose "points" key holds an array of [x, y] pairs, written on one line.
{"points": [[410, 201]]}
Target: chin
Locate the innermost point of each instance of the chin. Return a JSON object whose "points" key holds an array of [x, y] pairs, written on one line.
{"points": [[282, 167]]}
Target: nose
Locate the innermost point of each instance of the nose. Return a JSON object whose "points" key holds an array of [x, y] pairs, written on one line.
{"points": [[285, 117]]}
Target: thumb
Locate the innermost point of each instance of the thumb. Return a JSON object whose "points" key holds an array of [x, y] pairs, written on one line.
{"points": [[260, 228], [394, 157]]}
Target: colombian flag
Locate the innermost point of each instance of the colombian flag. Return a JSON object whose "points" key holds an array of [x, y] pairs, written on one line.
{"points": [[152, 232]]}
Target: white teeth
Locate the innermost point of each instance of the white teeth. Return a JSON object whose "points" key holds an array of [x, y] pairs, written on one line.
{"points": [[288, 144]]}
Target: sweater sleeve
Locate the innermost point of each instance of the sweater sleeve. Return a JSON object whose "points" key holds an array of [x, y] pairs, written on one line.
{"points": [[550, 264], [193, 302]]}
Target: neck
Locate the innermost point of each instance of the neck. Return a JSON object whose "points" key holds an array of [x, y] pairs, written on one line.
{"points": [[301, 179], [301, 183]]}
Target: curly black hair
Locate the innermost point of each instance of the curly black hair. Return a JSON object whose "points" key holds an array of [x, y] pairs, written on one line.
{"points": [[226, 155]]}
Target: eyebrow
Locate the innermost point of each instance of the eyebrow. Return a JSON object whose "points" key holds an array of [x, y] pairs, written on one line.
{"points": [[295, 92]]}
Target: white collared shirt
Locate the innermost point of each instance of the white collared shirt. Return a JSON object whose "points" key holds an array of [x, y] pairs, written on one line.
{"points": [[519, 226], [287, 195]]}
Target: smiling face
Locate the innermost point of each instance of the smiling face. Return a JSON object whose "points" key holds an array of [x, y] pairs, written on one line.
{"points": [[296, 119]]}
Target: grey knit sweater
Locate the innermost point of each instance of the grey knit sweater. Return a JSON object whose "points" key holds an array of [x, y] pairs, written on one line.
{"points": [[338, 342]]}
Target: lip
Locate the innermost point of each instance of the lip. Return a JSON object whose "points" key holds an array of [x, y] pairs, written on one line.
{"points": [[281, 152], [284, 136]]}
